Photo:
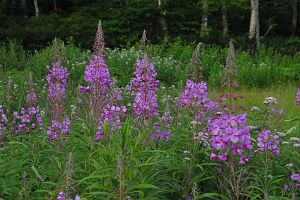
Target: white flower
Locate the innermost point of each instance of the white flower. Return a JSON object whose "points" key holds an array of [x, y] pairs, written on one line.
{"points": [[255, 109], [285, 143], [270, 101], [290, 165], [186, 151]]}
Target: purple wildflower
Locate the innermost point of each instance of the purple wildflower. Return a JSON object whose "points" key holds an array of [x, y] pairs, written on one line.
{"points": [[268, 142], [162, 128], [195, 96], [97, 74], [111, 115], [61, 196], [57, 128], [230, 136], [295, 177], [144, 87], [57, 84], [298, 97], [27, 120]]}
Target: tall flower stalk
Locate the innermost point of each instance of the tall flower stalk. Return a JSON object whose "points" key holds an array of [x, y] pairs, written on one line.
{"points": [[101, 90], [57, 79], [229, 83], [144, 85]]}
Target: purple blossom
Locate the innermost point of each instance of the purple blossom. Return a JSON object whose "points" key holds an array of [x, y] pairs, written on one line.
{"points": [[195, 97], [57, 84], [110, 116], [162, 128], [230, 136], [298, 97], [57, 128], [3, 119], [144, 86], [57, 79], [27, 120], [295, 177], [97, 74], [61, 196], [268, 142]]}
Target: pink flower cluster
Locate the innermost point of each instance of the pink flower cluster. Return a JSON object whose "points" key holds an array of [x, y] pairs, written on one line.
{"points": [[57, 79], [195, 96], [97, 74], [3, 119], [29, 119], [144, 87], [110, 116], [162, 128], [57, 128], [266, 141], [230, 136]]}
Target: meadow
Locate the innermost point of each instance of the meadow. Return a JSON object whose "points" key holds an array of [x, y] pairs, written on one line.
{"points": [[153, 122]]}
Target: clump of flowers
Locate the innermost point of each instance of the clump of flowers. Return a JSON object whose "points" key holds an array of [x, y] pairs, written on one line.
{"points": [[195, 96], [3, 119], [162, 128], [266, 141], [111, 116], [230, 137], [57, 79], [298, 97], [29, 117], [295, 185], [144, 87]]}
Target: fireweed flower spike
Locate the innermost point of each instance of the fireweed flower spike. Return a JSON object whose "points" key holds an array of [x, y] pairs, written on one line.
{"points": [[97, 76], [194, 95], [144, 86], [57, 79]]}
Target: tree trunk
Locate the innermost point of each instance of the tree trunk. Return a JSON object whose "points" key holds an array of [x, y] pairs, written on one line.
{"points": [[295, 15], [224, 19], [252, 20], [254, 23], [36, 7], [54, 6], [257, 35], [204, 19], [163, 22]]}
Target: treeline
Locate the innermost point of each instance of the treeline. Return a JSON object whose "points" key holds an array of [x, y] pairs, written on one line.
{"points": [[36, 22]]}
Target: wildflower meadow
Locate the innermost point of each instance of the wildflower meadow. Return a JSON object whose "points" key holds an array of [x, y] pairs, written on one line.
{"points": [[148, 122]]}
